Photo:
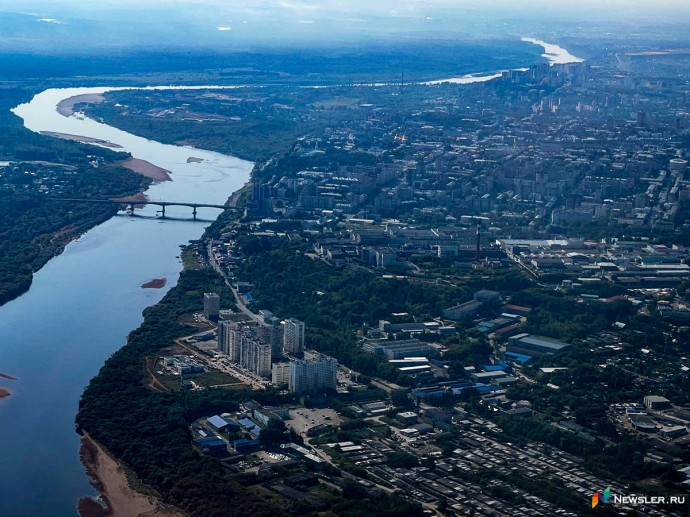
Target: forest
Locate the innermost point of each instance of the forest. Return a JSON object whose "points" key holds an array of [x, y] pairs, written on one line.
{"points": [[32, 228], [149, 431]]}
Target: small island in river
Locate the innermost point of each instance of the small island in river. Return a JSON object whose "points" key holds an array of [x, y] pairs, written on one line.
{"points": [[4, 392], [156, 283]]}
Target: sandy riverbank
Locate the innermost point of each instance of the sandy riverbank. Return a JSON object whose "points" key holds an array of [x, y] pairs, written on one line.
{"points": [[147, 169], [119, 499], [66, 107], [83, 139], [139, 199]]}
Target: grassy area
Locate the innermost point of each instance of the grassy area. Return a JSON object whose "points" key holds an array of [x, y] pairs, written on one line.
{"points": [[213, 378]]}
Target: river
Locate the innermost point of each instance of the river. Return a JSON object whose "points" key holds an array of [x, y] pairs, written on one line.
{"points": [[82, 305]]}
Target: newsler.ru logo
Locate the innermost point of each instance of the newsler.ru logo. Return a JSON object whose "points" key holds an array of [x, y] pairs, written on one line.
{"points": [[634, 500]]}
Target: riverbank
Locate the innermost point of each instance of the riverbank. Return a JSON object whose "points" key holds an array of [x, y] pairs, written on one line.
{"points": [[66, 107], [82, 139], [157, 174], [118, 496], [89, 283]]}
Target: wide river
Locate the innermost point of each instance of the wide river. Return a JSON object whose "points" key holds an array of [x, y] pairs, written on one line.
{"points": [[83, 304]]}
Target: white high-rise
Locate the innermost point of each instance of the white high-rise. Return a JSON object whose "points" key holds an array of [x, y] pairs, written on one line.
{"points": [[313, 376], [293, 336], [280, 374]]}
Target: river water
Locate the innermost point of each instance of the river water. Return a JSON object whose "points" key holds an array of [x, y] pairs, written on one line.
{"points": [[82, 305]]}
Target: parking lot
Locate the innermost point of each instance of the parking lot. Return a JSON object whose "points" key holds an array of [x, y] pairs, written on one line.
{"points": [[303, 419]]}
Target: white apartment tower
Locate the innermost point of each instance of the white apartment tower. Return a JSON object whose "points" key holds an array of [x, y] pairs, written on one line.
{"points": [[280, 374], [313, 376], [293, 336]]}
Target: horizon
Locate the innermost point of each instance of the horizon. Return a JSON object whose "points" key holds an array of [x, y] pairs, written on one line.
{"points": [[234, 26]]}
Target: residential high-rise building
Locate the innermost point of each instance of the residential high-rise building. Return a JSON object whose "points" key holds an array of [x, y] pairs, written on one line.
{"points": [[273, 335], [224, 329], [211, 306], [230, 339], [313, 376], [243, 345], [257, 356], [293, 336], [280, 374]]}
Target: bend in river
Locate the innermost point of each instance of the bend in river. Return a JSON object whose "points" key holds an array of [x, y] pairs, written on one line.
{"points": [[82, 305]]}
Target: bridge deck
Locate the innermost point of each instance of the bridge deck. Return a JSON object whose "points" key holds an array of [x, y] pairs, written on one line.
{"points": [[143, 202]]}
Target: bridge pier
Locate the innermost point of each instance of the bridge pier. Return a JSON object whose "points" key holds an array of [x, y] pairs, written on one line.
{"points": [[130, 208], [194, 212], [163, 211]]}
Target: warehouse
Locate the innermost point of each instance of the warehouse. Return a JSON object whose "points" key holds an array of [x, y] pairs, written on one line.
{"points": [[535, 345]]}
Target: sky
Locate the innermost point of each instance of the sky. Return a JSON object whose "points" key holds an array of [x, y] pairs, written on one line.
{"points": [[37, 24]]}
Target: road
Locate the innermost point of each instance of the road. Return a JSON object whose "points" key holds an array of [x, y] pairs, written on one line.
{"points": [[238, 297]]}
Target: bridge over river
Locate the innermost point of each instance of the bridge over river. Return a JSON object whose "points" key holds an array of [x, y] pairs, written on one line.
{"points": [[132, 204]]}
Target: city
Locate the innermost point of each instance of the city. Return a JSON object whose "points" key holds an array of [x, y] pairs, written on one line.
{"points": [[413, 271]]}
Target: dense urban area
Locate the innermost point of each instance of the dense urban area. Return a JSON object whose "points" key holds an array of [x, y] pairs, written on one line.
{"points": [[437, 298]]}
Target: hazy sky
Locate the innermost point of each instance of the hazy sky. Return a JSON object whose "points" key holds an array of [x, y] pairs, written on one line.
{"points": [[111, 23]]}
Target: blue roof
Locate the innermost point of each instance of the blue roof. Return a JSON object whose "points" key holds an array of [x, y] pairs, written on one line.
{"points": [[494, 368], [243, 442], [245, 422], [209, 443], [217, 422], [520, 358]]}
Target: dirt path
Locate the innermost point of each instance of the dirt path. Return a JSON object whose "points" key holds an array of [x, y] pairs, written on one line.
{"points": [[154, 383]]}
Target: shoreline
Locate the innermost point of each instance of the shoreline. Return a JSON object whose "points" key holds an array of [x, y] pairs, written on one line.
{"points": [[82, 139], [554, 54], [66, 106], [157, 174], [109, 480]]}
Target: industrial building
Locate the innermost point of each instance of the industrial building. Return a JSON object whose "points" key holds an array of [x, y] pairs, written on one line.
{"points": [[535, 345], [400, 349], [655, 402], [462, 311]]}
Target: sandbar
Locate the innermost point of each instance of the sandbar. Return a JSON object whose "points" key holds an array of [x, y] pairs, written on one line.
{"points": [[82, 139], [139, 199], [66, 106], [147, 169], [156, 283], [119, 498]]}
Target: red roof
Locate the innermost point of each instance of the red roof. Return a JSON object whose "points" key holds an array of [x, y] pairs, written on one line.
{"points": [[517, 308]]}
